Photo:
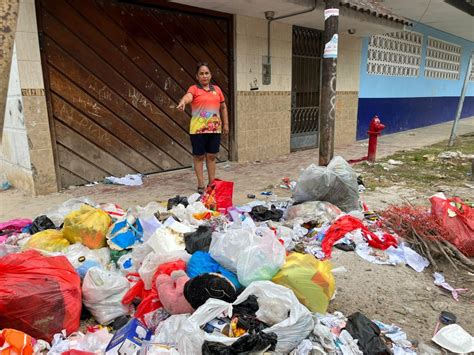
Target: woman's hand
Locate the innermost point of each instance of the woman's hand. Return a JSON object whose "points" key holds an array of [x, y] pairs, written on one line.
{"points": [[181, 105], [225, 129]]}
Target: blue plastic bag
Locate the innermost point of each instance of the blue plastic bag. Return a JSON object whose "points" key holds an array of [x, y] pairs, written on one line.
{"points": [[202, 263]]}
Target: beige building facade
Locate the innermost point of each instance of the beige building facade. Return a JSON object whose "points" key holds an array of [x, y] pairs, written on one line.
{"points": [[261, 114]]}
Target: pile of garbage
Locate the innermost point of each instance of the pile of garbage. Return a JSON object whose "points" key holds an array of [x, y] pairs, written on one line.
{"points": [[197, 274]]}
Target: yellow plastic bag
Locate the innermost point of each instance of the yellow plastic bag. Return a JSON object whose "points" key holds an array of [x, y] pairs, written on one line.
{"points": [[310, 279], [49, 240], [88, 226]]}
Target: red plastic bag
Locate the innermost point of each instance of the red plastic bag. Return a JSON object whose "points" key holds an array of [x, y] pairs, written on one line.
{"points": [[218, 195], [458, 218], [39, 295], [349, 223], [150, 299]]}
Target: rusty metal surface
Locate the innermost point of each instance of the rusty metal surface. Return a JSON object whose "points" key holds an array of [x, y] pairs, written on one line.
{"points": [[115, 73]]}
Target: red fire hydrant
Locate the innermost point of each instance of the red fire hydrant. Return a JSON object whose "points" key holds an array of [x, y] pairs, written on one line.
{"points": [[375, 129]]}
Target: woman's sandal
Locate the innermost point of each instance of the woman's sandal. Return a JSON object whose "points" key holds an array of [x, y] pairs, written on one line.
{"points": [[201, 190]]}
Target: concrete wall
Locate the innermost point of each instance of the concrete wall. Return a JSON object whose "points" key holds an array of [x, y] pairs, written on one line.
{"points": [[15, 154], [31, 167], [409, 102], [8, 16], [347, 88], [263, 115]]}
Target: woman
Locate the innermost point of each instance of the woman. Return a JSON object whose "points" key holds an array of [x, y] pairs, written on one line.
{"points": [[209, 120]]}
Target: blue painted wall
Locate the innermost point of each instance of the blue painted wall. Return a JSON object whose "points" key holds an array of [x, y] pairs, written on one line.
{"points": [[410, 102]]}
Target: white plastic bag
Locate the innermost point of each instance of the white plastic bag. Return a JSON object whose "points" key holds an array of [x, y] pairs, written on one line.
{"points": [[78, 253], [147, 218], [291, 331], [57, 214], [225, 246], [153, 260], [102, 294], [165, 240], [320, 211], [261, 259], [336, 183], [139, 253], [169, 330], [185, 214]]}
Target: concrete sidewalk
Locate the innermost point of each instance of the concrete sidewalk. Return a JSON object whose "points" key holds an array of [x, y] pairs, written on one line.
{"points": [[252, 177]]}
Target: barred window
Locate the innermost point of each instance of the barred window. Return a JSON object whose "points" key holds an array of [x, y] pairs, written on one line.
{"points": [[443, 60], [395, 54]]}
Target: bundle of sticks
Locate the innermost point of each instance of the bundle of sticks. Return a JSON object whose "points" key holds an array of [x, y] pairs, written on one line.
{"points": [[417, 226]]}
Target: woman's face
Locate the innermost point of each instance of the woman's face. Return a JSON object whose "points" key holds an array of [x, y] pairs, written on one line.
{"points": [[204, 75]]}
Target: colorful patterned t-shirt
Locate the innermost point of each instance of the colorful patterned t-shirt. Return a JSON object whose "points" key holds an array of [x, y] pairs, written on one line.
{"points": [[205, 109]]}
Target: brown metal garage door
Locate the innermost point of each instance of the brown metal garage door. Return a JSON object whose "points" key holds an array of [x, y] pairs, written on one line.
{"points": [[114, 73]]}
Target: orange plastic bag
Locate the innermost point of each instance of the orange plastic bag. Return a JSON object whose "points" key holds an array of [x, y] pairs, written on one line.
{"points": [[88, 226], [14, 342]]}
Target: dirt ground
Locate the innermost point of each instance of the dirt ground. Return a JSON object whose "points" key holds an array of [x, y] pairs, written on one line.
{"points": [[391, 294]]}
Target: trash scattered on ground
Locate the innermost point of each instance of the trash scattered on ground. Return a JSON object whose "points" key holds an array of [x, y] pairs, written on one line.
{"points": [[287, 184], [4, 184], [440, 281], [198, 274], [455, 339], [128, 180], [394, 162], [455, 155]]}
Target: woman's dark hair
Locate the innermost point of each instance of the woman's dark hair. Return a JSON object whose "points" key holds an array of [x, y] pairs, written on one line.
{"points": [[202, 64]]}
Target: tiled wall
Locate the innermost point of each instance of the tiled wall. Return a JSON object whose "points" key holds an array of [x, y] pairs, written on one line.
{"points": [[263, 115], [263, 130], [34, 116], [347, 89]]}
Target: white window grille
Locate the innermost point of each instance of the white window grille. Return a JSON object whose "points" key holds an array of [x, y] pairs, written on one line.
{"points": [[395, 54], [443, 60]]}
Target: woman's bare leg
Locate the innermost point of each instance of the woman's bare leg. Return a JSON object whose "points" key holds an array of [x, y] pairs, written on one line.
{"points": [[199, 169], [211, 166]]}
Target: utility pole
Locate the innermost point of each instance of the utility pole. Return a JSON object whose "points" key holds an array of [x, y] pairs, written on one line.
{"points": [[460, 102], [328, 91]]}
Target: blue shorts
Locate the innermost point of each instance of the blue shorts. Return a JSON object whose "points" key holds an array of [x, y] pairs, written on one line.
{"points": [[205, 143]]}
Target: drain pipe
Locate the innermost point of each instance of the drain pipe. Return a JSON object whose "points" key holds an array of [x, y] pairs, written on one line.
{"points": [[269, 15]]}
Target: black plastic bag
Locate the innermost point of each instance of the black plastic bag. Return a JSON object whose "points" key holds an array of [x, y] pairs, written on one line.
{"points": [[367, 333], [41, 223], [200, 288], [175, 201], [245, 344], [346, 246], [245, 313], [262, 213], [198, 240]]}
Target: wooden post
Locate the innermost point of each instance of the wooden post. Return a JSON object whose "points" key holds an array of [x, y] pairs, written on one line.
{"points": [[328, 90]]}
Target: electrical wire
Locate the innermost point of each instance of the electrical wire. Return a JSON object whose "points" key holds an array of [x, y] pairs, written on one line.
{"points": [[423, 15]]}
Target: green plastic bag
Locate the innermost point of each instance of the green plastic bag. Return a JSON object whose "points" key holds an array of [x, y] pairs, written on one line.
{"points": [[310, 279]]}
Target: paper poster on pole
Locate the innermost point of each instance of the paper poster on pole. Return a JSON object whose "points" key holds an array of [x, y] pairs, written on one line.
{"points": [[330, 48], [330, 12]]}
